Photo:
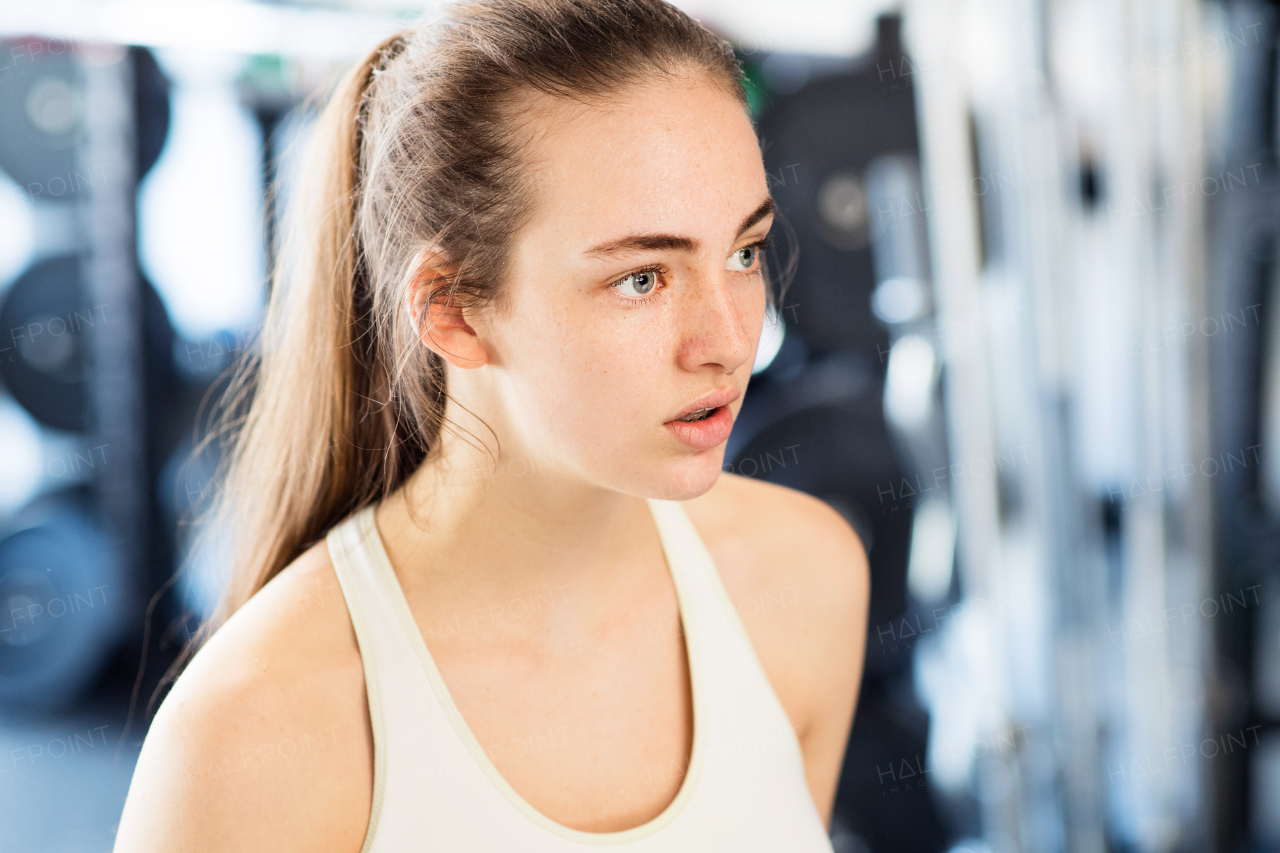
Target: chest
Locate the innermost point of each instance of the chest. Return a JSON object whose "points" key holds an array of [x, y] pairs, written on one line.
{"points": [[591, 720], [593, 727]]}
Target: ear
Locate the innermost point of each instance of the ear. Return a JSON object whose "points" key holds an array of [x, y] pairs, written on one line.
{"points": [[444, 329]]}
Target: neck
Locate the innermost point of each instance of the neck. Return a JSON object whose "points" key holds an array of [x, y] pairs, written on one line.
{"points": [[479, 532]]}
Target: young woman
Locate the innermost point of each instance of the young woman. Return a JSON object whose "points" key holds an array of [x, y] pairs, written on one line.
{"points": [[494, 591]]}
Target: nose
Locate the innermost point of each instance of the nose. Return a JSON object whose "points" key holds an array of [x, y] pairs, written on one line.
{"points": [[723, 316]]}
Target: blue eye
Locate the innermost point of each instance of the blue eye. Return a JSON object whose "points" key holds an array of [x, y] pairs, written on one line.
{"points": [[644, 282], [747, 255]]}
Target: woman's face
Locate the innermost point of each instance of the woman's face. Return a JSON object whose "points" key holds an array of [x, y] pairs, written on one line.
{"points": [[605, 337]]}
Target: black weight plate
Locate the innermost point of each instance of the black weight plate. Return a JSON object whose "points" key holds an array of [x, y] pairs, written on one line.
{"points": [[62, 604], [42, 113], [44, 356]]}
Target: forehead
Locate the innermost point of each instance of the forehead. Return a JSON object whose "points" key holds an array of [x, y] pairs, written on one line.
{"points": [[672, 153]]}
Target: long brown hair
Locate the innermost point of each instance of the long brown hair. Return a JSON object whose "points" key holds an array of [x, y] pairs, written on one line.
{"points": [[338, 403]]}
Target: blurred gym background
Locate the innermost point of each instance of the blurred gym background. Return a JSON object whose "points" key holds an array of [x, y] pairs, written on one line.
{"points": [[1032, 353]]}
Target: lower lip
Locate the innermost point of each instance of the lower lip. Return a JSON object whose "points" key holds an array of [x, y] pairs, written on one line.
{"points": [[706, 433]]}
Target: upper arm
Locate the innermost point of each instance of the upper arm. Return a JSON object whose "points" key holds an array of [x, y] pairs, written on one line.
{"points": [[213, 775], [255, 748]]}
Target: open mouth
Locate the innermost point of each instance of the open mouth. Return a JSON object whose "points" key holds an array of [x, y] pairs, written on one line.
{"points": [[702, 429], [699, 415]]}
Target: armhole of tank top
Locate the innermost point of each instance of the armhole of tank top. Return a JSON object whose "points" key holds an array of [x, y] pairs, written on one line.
{"points": [[373, 685], [726, 603]]}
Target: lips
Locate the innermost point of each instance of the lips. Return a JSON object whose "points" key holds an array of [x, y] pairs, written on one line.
{"points": [[706, 434], [712, 400]]}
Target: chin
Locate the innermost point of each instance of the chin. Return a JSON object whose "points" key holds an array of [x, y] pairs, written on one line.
{"points": [[688, 478]]}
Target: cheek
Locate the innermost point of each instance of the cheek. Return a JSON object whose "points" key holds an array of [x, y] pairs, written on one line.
{"points": [[598, 377]]}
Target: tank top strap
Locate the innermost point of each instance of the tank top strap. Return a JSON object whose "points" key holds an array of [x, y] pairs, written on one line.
{"points": [[349, 552], [379, 613], [353, 557], [736, 679], [692, 562]]}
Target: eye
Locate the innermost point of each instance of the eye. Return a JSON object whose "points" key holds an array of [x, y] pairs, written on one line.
{"points": [[747, 256], [643, 282]]}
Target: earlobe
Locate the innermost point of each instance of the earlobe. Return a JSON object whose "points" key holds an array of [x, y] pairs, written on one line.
{"points": [[443, 328]]}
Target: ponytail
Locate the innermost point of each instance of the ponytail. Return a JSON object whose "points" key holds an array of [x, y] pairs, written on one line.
{"points": [[309, 449]]}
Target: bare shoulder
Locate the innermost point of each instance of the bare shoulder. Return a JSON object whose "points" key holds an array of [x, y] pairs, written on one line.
{"points": [[797, 574], [772, 534], [264, 741]]}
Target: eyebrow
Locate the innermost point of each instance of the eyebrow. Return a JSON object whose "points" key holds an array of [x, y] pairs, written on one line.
{"points": [[649, 242]]}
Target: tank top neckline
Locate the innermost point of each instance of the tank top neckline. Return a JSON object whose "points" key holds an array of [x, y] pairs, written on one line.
{"points": [[678, 565]]}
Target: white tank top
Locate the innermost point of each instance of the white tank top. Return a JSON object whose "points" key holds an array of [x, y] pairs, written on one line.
{"points": [[435, 788]]}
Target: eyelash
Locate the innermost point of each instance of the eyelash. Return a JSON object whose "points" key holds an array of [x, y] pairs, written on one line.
{"points": [[759, 245]]}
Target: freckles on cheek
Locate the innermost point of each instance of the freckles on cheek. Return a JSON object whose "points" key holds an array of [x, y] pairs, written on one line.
{"points": [[619, 369], [574, 364], [641, 345], [608, 360]]}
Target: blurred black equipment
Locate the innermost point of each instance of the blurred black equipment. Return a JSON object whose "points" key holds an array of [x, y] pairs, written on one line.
{"points": [[60, 585], [1245, 384], [42, 100], [43, 122], [48, 319], [91, 359]]}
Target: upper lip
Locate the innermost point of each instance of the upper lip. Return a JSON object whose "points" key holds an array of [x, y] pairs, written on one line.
{"points": [[713, 400]]}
